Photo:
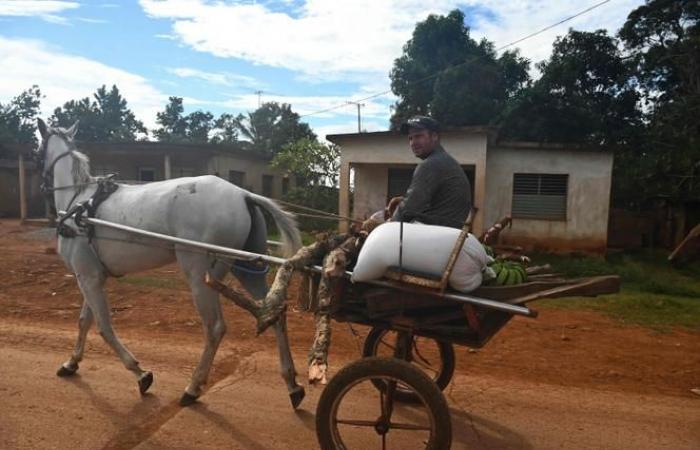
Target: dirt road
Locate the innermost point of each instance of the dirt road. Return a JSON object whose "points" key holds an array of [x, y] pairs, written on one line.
{"points": [[568, 380]]}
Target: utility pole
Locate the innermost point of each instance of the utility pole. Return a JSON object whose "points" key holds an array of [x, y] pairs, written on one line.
{"points": [[359, 118]]}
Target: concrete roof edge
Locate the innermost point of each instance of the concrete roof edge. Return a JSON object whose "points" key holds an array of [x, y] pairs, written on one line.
{"points": [[550, 146], [476, 129]]}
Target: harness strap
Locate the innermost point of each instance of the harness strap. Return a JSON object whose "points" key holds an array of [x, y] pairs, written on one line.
{"points": [[105, 187]]}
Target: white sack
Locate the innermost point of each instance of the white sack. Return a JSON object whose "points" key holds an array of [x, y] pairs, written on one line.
{"points": [[426, 248]]}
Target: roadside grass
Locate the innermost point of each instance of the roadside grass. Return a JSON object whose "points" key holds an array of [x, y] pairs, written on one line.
{"points": [[653, 293]]}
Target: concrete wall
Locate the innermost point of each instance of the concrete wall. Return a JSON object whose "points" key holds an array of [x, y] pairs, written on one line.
{"points": [[9, 190], [588, 202]]}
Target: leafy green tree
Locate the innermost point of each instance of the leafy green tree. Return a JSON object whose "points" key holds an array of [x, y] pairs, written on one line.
{"points": [[584, 95], [318, 164], [176, 127], [315, 162], [663, 38], [445, 73], [271, 127], [225, 129], [18, 117], [105, 118]]}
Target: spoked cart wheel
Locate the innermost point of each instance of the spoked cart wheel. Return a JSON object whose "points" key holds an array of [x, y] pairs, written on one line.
{"points": [[435, 358], [353, 414]]}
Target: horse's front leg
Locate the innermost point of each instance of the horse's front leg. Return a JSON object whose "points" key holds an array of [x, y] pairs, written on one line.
{"points": [[91, 283], [84, 323], [287, 370]]}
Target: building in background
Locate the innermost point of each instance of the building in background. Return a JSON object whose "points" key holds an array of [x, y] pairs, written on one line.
{"points": [[143, 162], [558, 195]]}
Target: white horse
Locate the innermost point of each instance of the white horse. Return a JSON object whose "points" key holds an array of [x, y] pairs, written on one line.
{"points": [[206, 209]]}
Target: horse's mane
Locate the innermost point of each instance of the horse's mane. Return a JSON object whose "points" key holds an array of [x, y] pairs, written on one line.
{"points": [[81, 162]]}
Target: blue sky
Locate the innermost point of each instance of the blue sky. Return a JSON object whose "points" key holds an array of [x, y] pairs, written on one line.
{"points": [[313, 54]]}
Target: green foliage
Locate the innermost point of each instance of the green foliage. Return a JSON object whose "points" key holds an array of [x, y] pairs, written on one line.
{"points": [[447, 74], [583, 96], [323, 198], [225, 130], [663, 38], [105, 118], [315, 162], [177, 128], [271, 127], [18, 117]]}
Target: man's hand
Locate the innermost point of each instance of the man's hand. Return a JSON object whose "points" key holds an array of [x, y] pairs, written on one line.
{"points": [[391, 207]]}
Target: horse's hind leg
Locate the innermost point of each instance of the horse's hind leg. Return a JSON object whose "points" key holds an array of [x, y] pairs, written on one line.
{"points": [[84, 323], [256, 284], [91, 285], [206, 300]]}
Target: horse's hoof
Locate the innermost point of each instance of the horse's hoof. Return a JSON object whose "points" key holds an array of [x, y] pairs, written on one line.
{"points": [[145, 382], [296, 396], [64, 371], [187, 399]]}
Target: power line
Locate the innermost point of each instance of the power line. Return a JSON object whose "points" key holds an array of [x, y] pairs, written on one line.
{"points": [[473, 60]]}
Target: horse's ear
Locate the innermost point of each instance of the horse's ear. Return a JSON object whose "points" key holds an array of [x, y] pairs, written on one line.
{"points": [[43, 129], [72, 130]]}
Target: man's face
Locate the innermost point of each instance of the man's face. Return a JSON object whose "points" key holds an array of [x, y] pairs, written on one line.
{"points": [[422, 141]]}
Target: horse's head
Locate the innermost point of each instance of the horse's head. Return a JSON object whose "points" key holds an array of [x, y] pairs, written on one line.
{"points": [[55, 144]]}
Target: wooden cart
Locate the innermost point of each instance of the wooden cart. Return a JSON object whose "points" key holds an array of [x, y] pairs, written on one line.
{"points": [[409, 357]]}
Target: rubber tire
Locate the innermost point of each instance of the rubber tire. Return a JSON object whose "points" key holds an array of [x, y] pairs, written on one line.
{"points": [[395, 368], [447, 357]]}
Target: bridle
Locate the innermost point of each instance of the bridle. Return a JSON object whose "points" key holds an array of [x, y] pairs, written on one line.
{"points": [[47, 171]]}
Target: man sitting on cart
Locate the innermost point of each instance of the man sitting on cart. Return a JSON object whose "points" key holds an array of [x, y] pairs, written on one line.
{"points": [[439, 193]]}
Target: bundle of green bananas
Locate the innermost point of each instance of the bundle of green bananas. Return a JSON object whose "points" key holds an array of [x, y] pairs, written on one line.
{"points": [[508, 273]]}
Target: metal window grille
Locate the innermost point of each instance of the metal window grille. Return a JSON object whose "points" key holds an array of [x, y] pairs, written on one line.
{"points": [[540, 196]]}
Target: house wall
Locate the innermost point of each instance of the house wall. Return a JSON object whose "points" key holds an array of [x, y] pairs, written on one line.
{"points": [[9, 190], [588, 198], [370, 157]]}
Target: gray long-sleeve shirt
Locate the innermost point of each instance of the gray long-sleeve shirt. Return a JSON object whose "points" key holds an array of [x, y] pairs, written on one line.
{"points": [[439, 194]]}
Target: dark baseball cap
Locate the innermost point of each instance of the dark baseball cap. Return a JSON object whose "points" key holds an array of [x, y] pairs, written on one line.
{"points": [[421, 122]]}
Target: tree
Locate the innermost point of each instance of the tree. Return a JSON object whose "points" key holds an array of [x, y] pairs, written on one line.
{"points": [[105, 118], [315, 162], [445, 73], [271, 127], [663, 38], [225, 129], [174, 127], [318, 165], [584, 95], [18, 117]]}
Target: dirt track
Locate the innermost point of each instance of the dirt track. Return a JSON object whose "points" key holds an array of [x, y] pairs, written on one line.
{"points": [[566, 380]]}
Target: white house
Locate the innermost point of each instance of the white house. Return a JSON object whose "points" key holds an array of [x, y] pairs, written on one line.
{"points": [[558, 195]]}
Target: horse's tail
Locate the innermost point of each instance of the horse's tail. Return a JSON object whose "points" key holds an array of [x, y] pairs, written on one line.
{"points": [[286, 223]]}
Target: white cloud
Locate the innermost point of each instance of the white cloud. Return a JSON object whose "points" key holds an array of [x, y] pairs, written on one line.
{"points": [[63, 77], [348, 38], [221, 78], [45, 9]]}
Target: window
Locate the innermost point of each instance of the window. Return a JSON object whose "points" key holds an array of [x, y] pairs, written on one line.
{"points": [[539, 196], [285, 185], [267, 185], [147, 174], [236, 177]]}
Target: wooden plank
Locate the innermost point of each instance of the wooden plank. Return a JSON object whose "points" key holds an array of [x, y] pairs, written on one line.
{"points": [[586, 287]]}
